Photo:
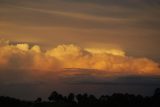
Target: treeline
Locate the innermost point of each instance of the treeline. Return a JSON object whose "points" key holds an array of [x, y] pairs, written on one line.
{"points": [[83, 100]]}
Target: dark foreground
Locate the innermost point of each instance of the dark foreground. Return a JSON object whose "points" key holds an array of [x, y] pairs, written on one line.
{"points": [[83, 100]]}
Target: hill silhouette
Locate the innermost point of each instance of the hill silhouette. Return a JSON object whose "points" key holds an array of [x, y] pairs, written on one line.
{"points": [[84, 100]]}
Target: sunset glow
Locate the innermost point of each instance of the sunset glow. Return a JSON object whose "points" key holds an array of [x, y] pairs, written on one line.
{"points": [[94, 46], [24, 56]]}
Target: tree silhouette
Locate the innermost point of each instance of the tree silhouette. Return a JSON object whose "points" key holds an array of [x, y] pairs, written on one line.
{"points": [[55, 97], [157, 92], [85, 100], [71, 97], [38, 100]]}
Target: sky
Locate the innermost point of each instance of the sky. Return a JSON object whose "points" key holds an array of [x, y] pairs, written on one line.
{"points": [[104, 46]]}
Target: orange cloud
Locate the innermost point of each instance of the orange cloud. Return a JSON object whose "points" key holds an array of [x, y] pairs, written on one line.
{"points": [[106, 62]]}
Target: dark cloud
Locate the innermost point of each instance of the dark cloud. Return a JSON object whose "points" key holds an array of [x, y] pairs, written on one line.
{"points": [[29, 87]]}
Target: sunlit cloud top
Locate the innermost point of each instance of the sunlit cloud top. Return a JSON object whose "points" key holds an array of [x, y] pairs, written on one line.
{"points": [[102, 62]]}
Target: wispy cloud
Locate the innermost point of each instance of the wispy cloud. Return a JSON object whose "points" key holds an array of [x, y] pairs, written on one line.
{"points": [[81, 16]]}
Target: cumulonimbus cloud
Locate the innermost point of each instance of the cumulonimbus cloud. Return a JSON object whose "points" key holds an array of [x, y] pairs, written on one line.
{"points": [[106, 62]]}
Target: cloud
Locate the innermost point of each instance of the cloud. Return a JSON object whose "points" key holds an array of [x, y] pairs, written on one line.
{"points": [[22, 56], [101, 62], [27, 68]]}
